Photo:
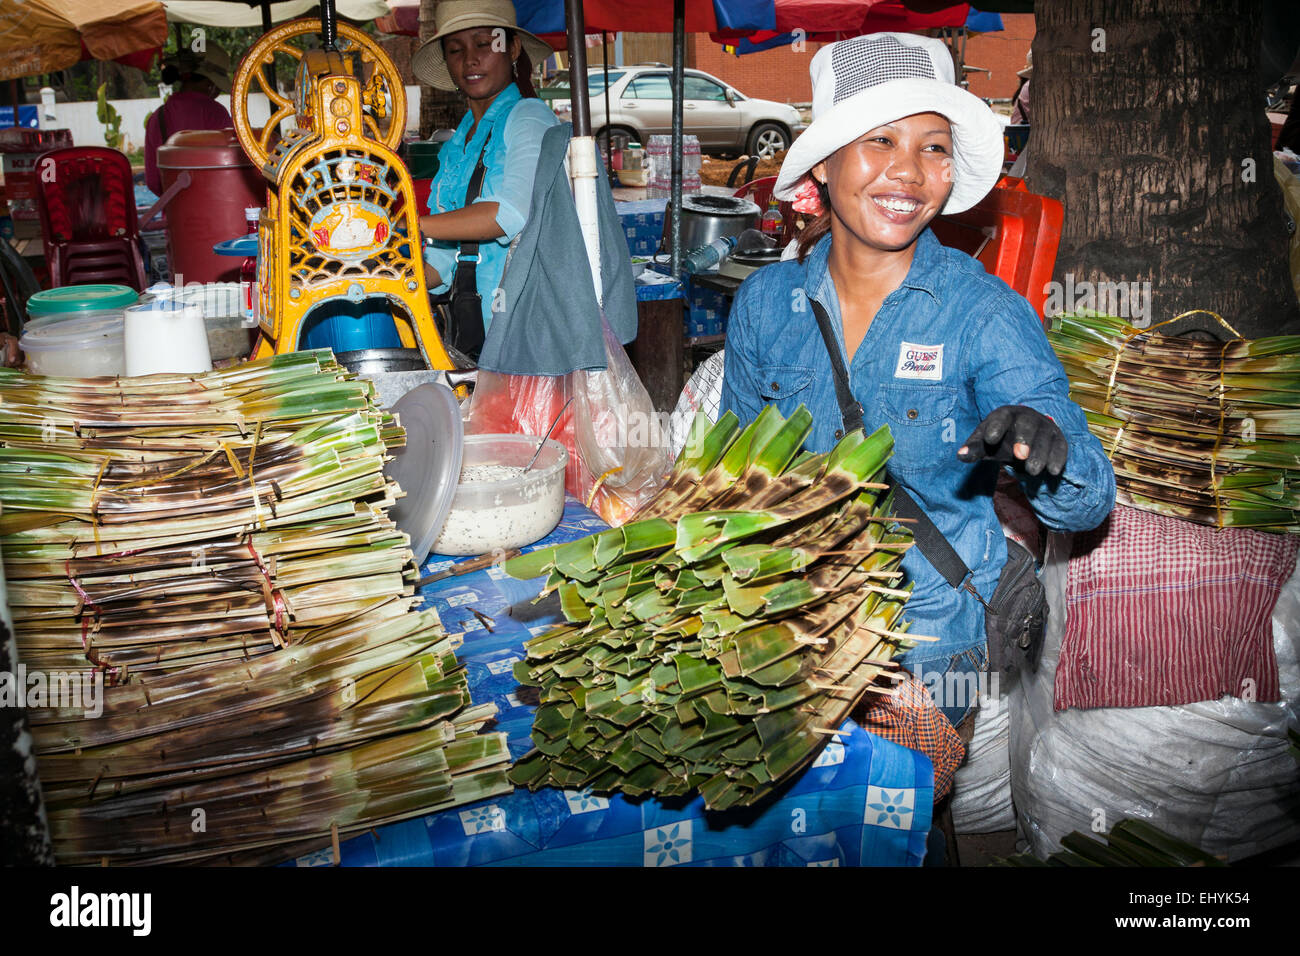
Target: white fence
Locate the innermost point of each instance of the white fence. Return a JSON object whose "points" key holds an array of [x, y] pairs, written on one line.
{"points": [[87, 130]]}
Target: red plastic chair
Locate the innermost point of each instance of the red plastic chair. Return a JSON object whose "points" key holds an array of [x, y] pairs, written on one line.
{"points": [[760, 191], [88, 218], [1014, 233]]}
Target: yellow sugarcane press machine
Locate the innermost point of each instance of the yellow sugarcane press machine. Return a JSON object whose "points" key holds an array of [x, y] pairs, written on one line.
{"points": [[340, 221]]}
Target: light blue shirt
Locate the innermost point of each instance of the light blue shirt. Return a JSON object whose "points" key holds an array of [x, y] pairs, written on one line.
{"points": [[948, 346], [516, 126]]}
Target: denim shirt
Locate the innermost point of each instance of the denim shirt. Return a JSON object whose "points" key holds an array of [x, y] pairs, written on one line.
{"points": [[947, 347], [517, 126]]}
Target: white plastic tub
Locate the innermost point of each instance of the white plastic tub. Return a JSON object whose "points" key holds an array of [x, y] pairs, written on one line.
{"points": [[83, 347], [496, 505]]}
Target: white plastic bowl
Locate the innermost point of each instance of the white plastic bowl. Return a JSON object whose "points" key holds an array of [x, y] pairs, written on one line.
{"points": [[489, 513]]}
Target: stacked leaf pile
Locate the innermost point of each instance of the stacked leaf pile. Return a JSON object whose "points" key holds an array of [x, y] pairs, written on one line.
{"points": [[1130, 842], [716, 641], [1204, 431], [217, 550]]}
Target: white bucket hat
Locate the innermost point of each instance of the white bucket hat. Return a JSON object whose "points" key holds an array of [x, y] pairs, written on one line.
{"points": [[428, 63], [871, 80]]}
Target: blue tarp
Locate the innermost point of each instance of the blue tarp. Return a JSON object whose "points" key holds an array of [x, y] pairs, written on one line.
{"points": [[976, 22], [864, 801]]}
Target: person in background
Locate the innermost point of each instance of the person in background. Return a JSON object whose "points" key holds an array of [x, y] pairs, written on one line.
{"points": [[8, 350], [479, 50], [1020, 111], [193, 106]]}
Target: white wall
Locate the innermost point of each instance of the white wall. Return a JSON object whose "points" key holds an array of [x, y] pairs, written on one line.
{"points": [[87, 130]]}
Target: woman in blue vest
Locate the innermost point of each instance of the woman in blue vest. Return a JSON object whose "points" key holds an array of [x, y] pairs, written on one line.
{"points": [[479, 50]]}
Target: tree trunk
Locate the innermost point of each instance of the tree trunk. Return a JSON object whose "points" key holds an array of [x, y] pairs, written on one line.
{"points": [[1149, 126], [439, 109]]}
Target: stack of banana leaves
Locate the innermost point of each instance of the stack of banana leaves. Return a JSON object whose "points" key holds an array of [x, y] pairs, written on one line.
{"points": [[718, 640], [1204, 431], [1130, 842], [203, 571]]}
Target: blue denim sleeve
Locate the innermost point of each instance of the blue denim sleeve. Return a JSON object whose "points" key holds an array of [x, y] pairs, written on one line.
{"points": [[741, 360], [442, 258], [1012, 363], [510, 183]]}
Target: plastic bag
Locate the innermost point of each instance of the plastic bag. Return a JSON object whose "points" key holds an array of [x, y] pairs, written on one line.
{"points": [[619, 454], [1217, 774]]}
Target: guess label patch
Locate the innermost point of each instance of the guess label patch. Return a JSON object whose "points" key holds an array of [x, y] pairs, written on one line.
{"points": [[920, 361]]}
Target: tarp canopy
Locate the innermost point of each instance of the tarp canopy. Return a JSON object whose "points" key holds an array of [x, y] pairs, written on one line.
{"points": [[240, 13], [546, 17], [827, 20], [44, 36]]}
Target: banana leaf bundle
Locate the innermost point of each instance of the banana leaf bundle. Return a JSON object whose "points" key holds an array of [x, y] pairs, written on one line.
{"points": [[216, 551], [715, 642], [1204, 431], [1130, 842]]}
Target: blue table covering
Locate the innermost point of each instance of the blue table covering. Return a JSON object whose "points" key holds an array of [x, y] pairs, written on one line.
{"points": [[864, 801]]}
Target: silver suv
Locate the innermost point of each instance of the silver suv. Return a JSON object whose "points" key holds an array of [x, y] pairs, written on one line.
{"points": [[641, 106]]}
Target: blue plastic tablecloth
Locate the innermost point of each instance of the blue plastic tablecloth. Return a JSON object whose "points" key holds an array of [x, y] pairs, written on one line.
{"points": [[864, 801]]}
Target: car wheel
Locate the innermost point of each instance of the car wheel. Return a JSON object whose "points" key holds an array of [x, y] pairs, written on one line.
{"points": [[767, 139], [621, 136]]}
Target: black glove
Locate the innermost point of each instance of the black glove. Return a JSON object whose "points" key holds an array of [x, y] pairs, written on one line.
{"points": [[1013, 427]]}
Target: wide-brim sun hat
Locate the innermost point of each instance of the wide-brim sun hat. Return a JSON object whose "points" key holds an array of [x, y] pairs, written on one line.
{"points": [[212, 63], [872, 80], [216, 67], [428, 63]]}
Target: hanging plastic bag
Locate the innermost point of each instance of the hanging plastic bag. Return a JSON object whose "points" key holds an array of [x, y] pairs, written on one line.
{"points": [[618, 445]]}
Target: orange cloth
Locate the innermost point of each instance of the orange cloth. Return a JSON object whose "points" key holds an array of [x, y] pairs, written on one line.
{"points": [[912, 719]]}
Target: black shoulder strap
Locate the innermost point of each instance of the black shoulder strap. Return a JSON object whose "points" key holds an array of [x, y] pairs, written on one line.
{"points": [[466, 275], [850, 407], [936, 548]]}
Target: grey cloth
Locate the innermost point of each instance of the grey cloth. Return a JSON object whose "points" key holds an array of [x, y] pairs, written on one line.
{"points": [[550, 320]]}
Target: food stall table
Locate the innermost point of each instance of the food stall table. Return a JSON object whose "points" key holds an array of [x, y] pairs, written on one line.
{"points": [[864, 801]]}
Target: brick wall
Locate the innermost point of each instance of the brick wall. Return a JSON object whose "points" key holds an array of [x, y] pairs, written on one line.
{"points": [[1003, 53], [781, 74]]}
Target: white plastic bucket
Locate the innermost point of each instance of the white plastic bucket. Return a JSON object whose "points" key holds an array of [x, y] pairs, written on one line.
{"points": [[166, 337]]}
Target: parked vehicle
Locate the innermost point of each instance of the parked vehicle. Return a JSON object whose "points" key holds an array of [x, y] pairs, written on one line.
{"points": [[641, 105]]}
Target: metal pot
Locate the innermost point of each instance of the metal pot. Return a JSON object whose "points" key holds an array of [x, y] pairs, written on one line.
{"points": [[365, 362], [705, 218]]}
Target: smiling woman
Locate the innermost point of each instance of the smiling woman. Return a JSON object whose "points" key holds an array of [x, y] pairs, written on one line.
{"points": [[874, 320], [480, 197]]}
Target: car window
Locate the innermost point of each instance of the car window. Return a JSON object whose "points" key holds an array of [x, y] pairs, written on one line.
{"points": [[596, 81], [651, 86], [698, 88]]}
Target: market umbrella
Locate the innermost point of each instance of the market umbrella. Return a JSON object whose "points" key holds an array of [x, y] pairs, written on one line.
{"points": [[263, 13], [44, 36]]}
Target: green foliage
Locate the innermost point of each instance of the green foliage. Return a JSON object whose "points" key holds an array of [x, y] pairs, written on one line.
{"points": [[111, 119]]}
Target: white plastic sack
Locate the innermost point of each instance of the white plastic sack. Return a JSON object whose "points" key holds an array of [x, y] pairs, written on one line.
{"points": [[1217, 774], [981, 796]]}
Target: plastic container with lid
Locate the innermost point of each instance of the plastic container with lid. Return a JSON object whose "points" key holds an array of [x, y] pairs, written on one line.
{"points": [[85, 346], [499, 506], [79, 301]]}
